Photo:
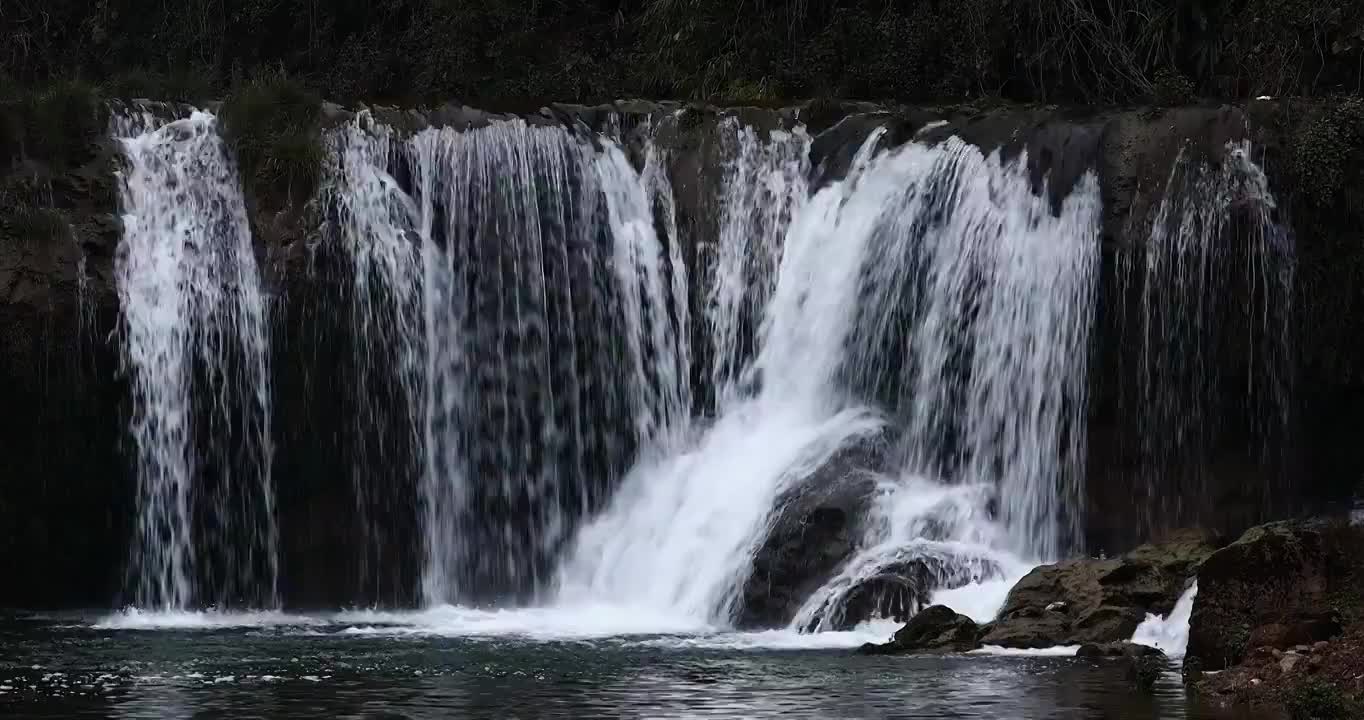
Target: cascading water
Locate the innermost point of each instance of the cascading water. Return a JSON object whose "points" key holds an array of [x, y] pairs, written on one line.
{"points": [[1004, 283], [1001, 304], [532, 291], [999, 296], [679, 535], [765, 182], [1215, 241], [195, 350], [539, 315], [374, 221]]}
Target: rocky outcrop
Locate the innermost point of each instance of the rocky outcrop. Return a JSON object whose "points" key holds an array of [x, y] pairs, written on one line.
{"points": [[934, 629], [1278, 586], [815, 529], [1098, 601]]}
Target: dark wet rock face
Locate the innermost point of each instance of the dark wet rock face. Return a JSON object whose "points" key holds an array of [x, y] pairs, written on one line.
{"points": [[813, 532], [1278, 586], [1098, 601], [934, 629]]}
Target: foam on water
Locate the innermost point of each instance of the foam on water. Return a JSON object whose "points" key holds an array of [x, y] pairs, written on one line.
{"points": [[1058, 651], [875, 631], [1170, 635], [136, 619], [565, 622]]}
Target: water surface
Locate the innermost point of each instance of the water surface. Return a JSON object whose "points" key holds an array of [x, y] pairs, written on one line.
{"points": [[378, 666]]}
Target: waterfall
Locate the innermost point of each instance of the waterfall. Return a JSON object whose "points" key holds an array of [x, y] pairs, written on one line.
{"points": [[1213, 282], [538, 307], [195, 351], [1002, 305], [522, 295], [679, 535]]}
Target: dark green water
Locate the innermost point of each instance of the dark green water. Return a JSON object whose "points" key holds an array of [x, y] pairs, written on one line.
{"points": [[62, 667]]}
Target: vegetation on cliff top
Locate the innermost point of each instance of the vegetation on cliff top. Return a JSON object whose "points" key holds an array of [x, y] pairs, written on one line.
{"points": [[512, 51]]}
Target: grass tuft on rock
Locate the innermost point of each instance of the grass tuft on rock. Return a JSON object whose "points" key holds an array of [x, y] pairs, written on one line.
{"points": [[273, 124]]}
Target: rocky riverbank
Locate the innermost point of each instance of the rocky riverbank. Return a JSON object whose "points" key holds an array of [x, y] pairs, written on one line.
{"points": [[1095, 604], [1278, 621], [1280, 613]]}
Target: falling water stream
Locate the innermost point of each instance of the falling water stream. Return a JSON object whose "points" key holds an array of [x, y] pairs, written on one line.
{"points": [[195, 349]]}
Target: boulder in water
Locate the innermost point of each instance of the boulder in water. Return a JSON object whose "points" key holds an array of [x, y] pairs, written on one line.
{"points": [[815, 531], [1098, 601], [937, 628], [1279, 585]]}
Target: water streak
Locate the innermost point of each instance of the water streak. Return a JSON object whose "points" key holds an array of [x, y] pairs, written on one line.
{"points": [[1214, 282]]}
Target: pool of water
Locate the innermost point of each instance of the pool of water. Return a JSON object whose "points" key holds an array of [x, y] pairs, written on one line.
{"points": [[376, 665]]}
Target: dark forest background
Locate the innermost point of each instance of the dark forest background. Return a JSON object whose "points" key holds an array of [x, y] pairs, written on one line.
{"points": [[757, 51]]}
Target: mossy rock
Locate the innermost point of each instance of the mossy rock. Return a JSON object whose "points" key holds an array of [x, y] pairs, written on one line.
{"points": [[1278, 585]]}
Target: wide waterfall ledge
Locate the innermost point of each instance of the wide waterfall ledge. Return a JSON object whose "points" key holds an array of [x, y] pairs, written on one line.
{"points": [[574, 393]]}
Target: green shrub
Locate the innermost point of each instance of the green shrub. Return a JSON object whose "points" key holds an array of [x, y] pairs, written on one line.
{"points": [[273, 125], [1320, 700], [56, 125], [1322, 150]]}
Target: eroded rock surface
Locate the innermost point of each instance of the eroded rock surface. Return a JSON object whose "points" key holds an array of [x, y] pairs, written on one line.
{"points": [[1098, 601], [1279, 585]]}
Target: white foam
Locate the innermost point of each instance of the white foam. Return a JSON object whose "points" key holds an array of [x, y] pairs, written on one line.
{"points": [[1058, 651], [137, 619], [567, 622], [876, 631], [1170, 635]]}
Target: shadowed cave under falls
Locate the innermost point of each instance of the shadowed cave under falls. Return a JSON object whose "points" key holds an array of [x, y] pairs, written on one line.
{"points": [[567, 390]]}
